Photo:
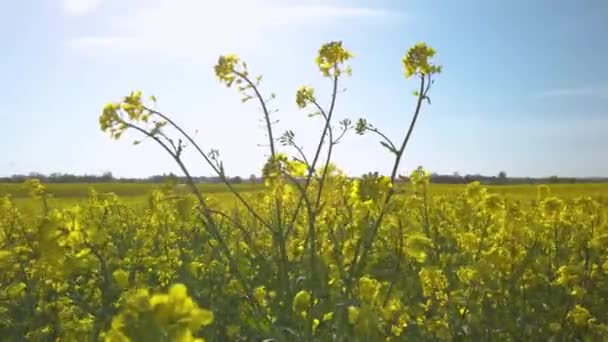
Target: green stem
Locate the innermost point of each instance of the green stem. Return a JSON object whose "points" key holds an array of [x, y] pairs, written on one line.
{"points": [[368, 239], [215, 169], [264, 109]]}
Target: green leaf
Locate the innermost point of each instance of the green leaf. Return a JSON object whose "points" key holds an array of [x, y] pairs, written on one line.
{"points": [[388, 147]]}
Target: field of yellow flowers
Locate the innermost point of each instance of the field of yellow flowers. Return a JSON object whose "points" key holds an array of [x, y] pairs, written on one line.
{"points": [[464, 266], [313, 255]]}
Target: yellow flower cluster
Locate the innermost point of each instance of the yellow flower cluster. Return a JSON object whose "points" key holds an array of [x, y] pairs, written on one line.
{"points": [[173, 315], [417, 61], [330, 59], [304, 96], [301, 301], [225, 67], [116, 118]]}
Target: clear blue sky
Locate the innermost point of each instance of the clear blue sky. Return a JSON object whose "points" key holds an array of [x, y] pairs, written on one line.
{"points": [[524, 88]]}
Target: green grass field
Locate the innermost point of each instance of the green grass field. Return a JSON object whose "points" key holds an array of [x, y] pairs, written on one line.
{"points": [[135, 194], [524, 192], [79, 190]]}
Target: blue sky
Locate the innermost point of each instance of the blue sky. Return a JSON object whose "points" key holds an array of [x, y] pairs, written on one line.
{"points": [[524, 88]]}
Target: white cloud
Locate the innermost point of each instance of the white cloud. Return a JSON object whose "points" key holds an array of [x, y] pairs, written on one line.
{"points": [[80, 7], [589, 91], [195, 26]]}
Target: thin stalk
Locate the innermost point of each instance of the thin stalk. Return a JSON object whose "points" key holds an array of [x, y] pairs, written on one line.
{"points": [[213, 166], [388, 141], [398, 267], [301, 153], [311, 169], [327, 117], [264, 109], [358, 263], [212, 228], [312, 214], [324, 170]]}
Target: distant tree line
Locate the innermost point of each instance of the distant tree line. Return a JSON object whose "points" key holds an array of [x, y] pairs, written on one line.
{"points": [[107, 177], [502, 178], [454, 178]]}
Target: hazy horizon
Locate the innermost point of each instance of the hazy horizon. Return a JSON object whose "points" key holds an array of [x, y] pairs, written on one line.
{"points": [[258, 175]]}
